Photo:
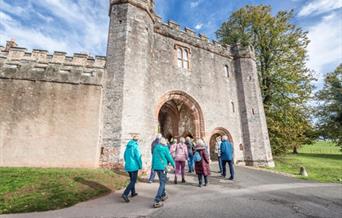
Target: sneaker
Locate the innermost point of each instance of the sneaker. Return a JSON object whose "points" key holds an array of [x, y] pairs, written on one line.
{"points": [[134, 194], [149, 182], [200, 185], [231, 178], [183, 180], [205, 184], [157, 204], [175, 181], [125, 198], [164, 198]]}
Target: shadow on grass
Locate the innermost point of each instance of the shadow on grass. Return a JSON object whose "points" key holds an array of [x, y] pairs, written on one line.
{"points": [[94, 185], [327, 156]]}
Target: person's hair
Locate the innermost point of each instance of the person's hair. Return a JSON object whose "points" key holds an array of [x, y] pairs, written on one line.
{"points": [[188, 139], [218, 138], [200, 142], [135, 137], [182, 140], [224, 137], [174, 141], [159, 136], [163, 141]]}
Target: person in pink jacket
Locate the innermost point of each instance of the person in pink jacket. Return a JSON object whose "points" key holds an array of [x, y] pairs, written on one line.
{"points": [[180, 155]]}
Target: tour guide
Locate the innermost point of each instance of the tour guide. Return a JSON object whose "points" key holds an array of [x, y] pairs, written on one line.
{"points": [[160, 159]]}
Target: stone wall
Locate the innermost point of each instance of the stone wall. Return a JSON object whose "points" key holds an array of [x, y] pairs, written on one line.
{"points": [[50, 109]]}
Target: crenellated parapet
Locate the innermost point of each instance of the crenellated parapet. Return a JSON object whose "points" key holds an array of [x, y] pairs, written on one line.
{"points": [[38, 65], [187, 35]]}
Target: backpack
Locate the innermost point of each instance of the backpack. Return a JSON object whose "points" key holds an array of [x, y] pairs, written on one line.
{"points": [[197, 157]]}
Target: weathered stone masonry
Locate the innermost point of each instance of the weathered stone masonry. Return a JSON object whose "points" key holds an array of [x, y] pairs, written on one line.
{"points": [[84, 110]]}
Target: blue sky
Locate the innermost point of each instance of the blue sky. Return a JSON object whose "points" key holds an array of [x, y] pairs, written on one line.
{"points": [[82, 25]]}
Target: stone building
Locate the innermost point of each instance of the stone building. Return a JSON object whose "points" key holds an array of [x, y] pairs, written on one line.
{"points": [[80, 111]]}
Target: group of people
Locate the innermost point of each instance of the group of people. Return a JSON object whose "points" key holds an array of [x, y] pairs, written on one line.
{"points": [[174, 154]]}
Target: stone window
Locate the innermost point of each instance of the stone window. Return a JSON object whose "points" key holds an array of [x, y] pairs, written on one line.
{"points": [[226, 70], [183, 57]]}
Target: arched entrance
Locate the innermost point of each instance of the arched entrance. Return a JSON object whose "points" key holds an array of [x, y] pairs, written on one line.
{"points": [[216, 133], [179, 115]]}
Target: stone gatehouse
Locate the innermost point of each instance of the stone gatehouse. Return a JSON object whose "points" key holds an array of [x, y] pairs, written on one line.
{"points": [[80, 111]]}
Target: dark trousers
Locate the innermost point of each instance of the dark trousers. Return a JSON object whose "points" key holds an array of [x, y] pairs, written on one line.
{"points": [[152, 175], [219, 163], [231, 168], [162, 182], [131, 186], [200, 176]]}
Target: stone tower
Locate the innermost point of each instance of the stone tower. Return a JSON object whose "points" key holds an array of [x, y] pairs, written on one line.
{"points": [[129, 46]]}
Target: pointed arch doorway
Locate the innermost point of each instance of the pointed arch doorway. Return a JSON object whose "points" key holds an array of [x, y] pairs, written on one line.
{"points": [[179, 115]]}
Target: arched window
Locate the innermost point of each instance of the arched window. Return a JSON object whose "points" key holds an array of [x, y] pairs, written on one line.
{"points": [[183, 57], [226, 70]]}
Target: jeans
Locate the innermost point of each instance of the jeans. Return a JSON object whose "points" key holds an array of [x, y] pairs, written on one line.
{"points": [[191, 163], [162, 182], [231, 168], [200, 175], [152, 175], [131, 186], [219, 163]]}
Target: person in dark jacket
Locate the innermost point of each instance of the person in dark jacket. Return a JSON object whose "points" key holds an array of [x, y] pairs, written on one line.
{"points": [[227, 157], [160, 160], [202, 167], [133, 163], [154, 143]]}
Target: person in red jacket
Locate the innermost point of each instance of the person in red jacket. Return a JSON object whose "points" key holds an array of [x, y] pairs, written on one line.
{"points": [[202, 167]]}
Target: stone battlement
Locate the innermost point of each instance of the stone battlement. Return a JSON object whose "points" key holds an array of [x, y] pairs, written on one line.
{"points": [[38, 65], [188, 36]]}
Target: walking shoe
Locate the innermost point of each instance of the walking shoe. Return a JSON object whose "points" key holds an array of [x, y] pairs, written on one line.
{"points": [[164, 198], [200, 185], [205, 184], [134, 194], [175, 181], [125, 198], [149, 182], [231, 178], [183, 180], [157, 204]]}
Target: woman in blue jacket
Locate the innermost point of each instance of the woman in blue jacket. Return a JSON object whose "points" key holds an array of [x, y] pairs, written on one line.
{"points": [[133, 164], [160, 160]]}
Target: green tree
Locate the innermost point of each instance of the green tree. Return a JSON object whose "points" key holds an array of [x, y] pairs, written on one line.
{"points": [[280, 49], [329, 110]]}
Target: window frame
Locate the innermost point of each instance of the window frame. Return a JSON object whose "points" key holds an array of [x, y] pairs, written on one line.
{"points": [[183, 57]]}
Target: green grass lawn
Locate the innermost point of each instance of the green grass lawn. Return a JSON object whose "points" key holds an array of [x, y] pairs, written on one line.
{"points": [[322, 160], [36, 189]]}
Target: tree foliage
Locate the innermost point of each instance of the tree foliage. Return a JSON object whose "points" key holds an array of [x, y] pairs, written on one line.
{"points": [[329, 111], [285, 81]]}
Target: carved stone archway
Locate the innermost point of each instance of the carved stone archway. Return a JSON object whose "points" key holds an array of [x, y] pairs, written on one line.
{"points": [[174, 103]]}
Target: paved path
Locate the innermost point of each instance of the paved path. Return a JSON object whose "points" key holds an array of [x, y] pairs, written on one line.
{"points": [[254, 194]]}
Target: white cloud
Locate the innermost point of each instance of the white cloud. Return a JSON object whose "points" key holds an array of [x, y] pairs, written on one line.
{"points": [[199, 26], [316, 7], [61, 25], [325, 49], [194, 4]]}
